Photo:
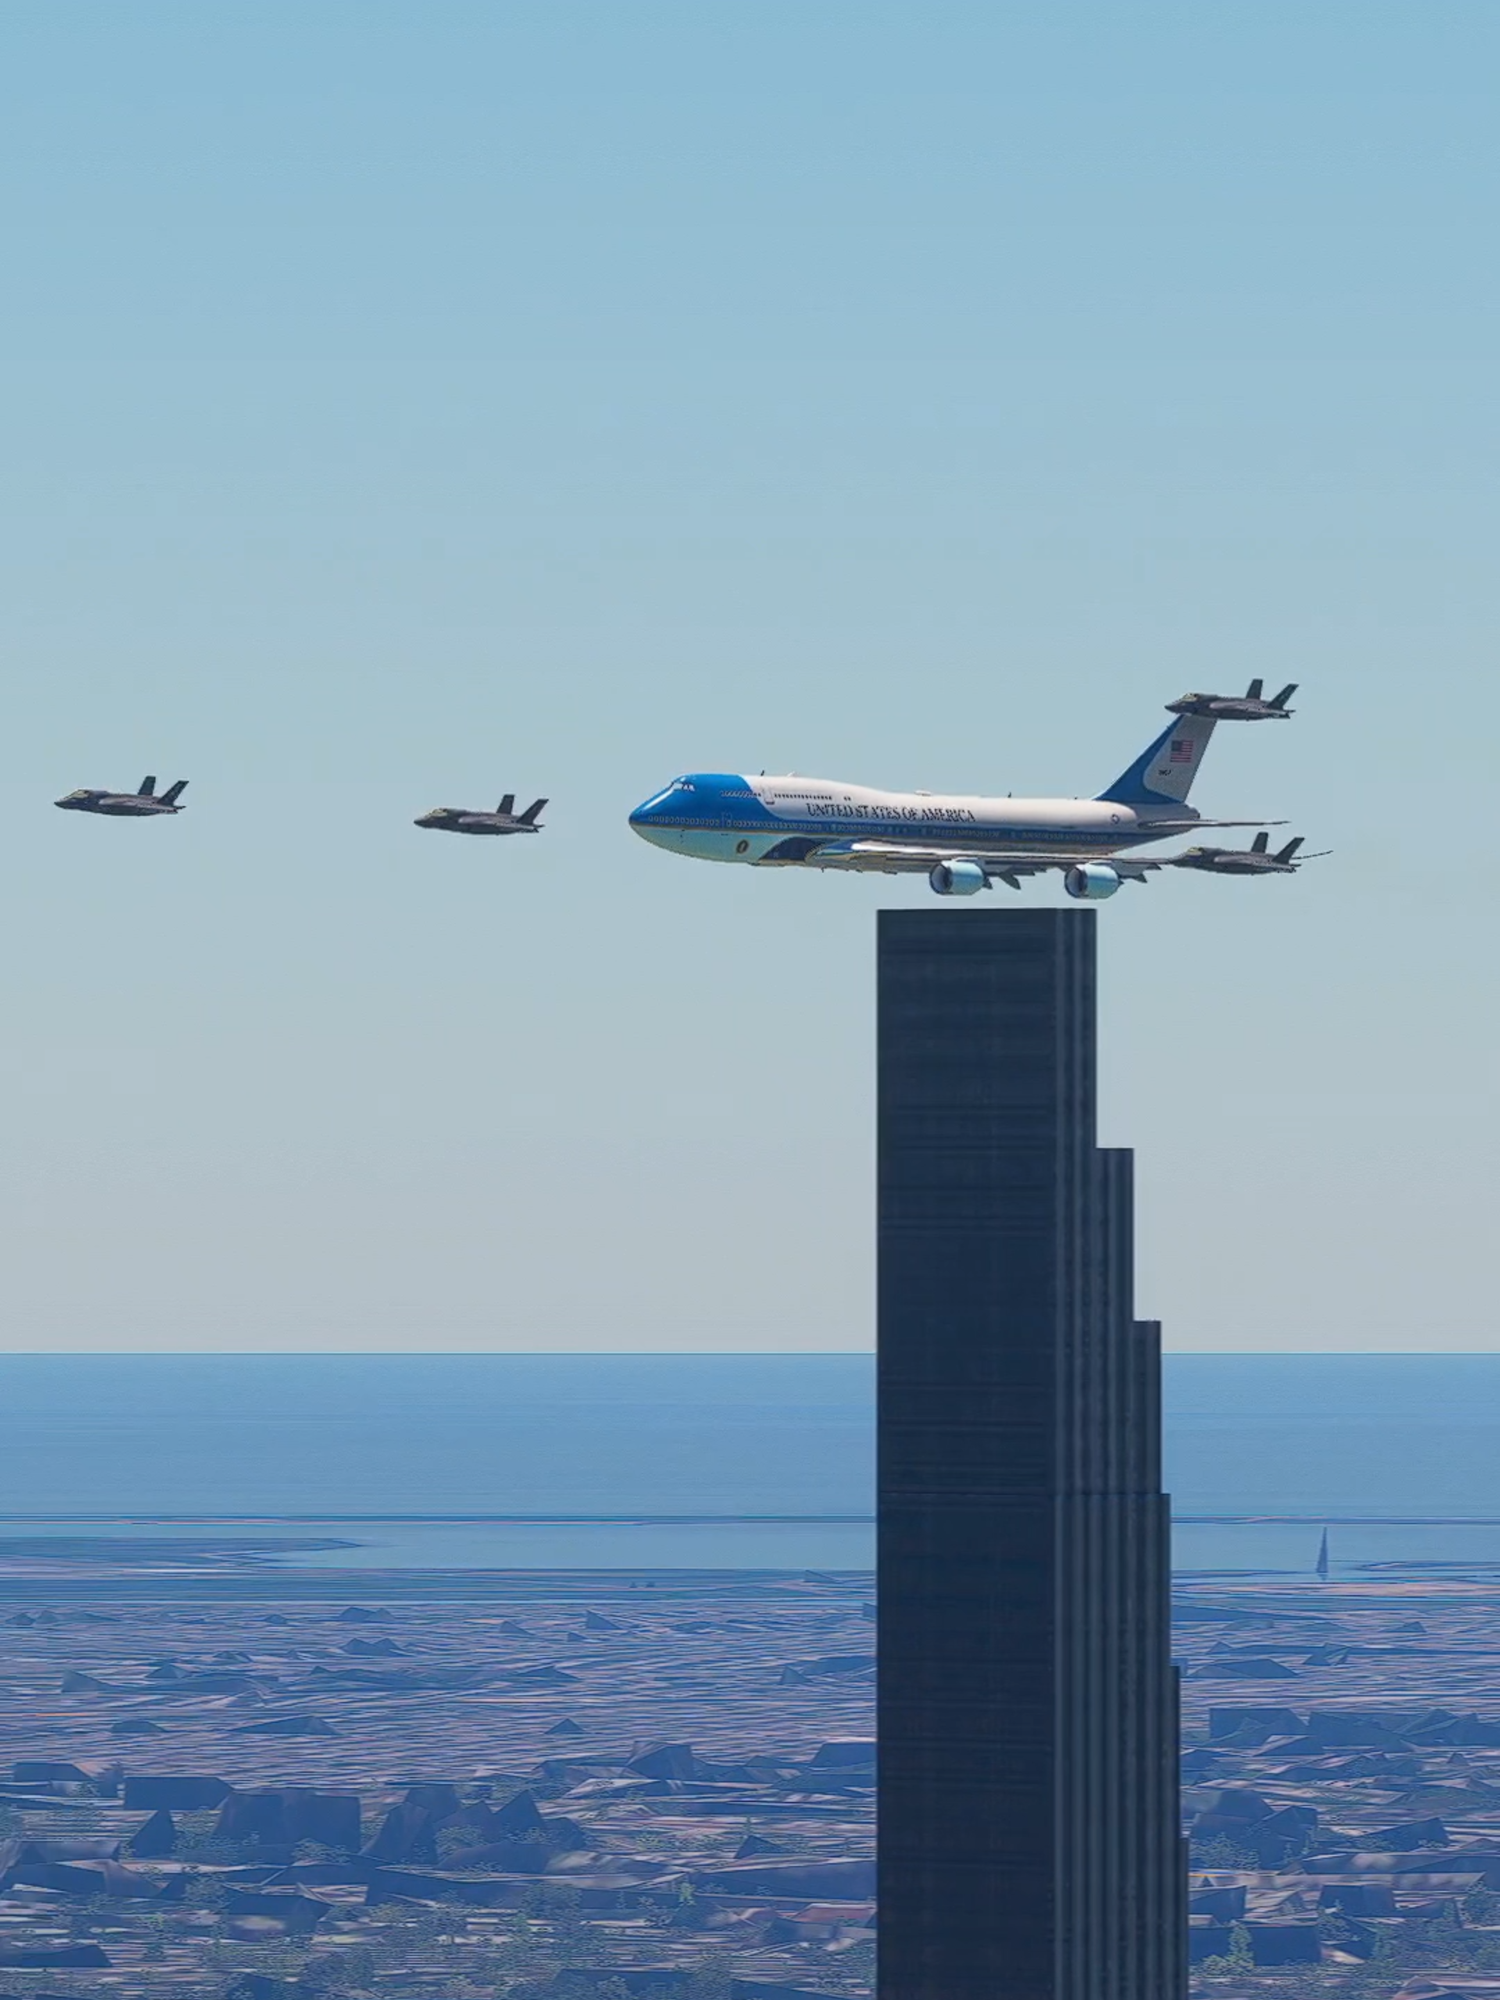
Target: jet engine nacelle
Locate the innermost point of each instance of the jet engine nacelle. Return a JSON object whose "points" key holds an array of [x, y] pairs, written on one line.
{"points": [[958, 878], [1092, 882]]}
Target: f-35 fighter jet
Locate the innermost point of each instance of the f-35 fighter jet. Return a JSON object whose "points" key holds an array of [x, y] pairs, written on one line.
{"points": [[143, 804], [1251, 706], [1256, 859], [505, 818]]}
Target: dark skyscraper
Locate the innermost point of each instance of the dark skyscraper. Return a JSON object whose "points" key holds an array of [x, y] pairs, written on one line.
{"points": [[1029, 1844]]}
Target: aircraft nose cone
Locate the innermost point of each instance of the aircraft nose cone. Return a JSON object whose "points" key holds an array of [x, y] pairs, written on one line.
{"points": [[650, 821], [650, 811]]}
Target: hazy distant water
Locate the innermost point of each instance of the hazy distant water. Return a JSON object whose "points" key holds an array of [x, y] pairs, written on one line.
{"points": [[607, 1439], [1395, 1438]]}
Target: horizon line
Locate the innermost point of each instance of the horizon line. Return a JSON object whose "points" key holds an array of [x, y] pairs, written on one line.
{"points": [[663, 1353]]}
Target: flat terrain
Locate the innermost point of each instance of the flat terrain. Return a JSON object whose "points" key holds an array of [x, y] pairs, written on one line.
{"points": [[523, 1716], [1342, 1780], [485, 1783]]}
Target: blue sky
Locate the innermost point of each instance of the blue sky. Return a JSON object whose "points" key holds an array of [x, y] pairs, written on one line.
{"points": [[410, 403]]}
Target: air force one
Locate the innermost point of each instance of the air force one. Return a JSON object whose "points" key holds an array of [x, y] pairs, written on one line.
{"points": [[966, 844], [143, 804]]}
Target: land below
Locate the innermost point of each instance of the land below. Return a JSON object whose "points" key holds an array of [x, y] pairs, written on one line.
{"points": [[231, 1779]]}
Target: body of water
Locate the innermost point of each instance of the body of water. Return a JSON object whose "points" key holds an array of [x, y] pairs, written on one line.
{"points": [[702, 1461]]}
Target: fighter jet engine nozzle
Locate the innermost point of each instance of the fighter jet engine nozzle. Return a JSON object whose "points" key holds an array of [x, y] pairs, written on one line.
{"points": [[958, 878], [1091, 882]]}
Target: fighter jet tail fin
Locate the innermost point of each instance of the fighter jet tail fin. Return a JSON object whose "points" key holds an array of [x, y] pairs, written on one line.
{"points": [[507, 805], [1260, 843], [1163, 774], [1281, 700], [148, 788], [1290, 849], [1255, 690], [174, 792], [528, 818]]}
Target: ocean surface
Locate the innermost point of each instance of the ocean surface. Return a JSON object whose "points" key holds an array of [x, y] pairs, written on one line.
{"points": [[704, 1461]]}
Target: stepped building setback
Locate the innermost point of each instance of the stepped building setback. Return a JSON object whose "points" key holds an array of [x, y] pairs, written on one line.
{"points": [[1028, 1830]]}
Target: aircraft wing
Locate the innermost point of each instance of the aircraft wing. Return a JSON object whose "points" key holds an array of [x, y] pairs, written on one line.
{"points": [[900, 857], [893, 857]]}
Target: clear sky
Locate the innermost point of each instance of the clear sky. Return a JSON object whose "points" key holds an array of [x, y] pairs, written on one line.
{"points": [[410, 402]]}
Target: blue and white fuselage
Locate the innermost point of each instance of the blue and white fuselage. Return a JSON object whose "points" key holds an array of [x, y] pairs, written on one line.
{"points": [[962, 841], [720, 816]]}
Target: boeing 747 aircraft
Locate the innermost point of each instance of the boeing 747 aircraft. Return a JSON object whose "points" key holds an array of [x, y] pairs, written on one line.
{"points": [[962, 844]]}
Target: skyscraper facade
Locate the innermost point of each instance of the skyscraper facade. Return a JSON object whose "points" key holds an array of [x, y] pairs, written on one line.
{"points": [[1028, 1842]]}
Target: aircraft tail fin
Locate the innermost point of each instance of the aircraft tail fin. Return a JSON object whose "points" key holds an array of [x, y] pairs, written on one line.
{"points": [[148, 788], [1163, 774], [1260, 843], [174, 792], [507, 805], [1281, 700], [1255, 690], [528, 818], [1290, 849]]}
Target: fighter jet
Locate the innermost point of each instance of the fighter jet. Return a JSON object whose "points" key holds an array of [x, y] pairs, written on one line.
{"points": [[143, 804], [1256, 859], [1248, 707], [505, 819]]}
